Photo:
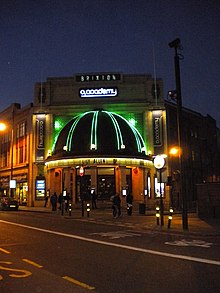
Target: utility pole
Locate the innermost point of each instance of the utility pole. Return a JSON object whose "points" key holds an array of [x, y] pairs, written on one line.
{"points": [[176, 44]]}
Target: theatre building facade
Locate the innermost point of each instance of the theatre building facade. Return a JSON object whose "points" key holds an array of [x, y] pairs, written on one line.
{"points": [[99, 134], [89, 132]]}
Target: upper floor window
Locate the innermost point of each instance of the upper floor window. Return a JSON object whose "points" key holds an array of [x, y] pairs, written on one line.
{"points": [[21, 128]]}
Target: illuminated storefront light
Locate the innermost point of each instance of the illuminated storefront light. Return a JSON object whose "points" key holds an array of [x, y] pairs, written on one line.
{"points": [[99, 161]]}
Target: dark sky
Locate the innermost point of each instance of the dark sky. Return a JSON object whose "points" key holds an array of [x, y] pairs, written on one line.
{"points": [[40, 39]]}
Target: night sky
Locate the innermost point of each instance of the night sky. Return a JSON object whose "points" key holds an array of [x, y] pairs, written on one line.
{"points": [[40, 39]]}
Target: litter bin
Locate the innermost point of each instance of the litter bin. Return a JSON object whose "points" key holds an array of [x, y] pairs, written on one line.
{"points": [[142, 208]]}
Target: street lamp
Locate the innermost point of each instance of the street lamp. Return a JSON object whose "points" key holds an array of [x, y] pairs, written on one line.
{"points": [[159, 162], [173, 153], [176, 44], [2, 126]]}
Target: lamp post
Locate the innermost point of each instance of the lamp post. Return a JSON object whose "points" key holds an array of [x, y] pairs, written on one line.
{"points": [[3, 127], [12, 182], [159, 162], [176, 44]]}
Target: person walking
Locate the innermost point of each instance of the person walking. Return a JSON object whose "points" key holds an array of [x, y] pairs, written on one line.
{"points": [[53, 200], [116, 206], [60, 200], [46, 198], [129, 200], [67, 200], [94, 198]]}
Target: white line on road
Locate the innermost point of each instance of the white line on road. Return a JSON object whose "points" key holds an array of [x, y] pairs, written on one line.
{"points": [[148, 251]]}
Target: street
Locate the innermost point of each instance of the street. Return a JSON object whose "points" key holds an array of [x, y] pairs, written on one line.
{"points": [[43, 252]]}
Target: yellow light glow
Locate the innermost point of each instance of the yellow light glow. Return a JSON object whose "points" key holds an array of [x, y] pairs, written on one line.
{"points": [[174, 151], [2, 126]]}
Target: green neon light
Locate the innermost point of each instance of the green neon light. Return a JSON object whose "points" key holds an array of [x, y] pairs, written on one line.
{"points": [[118, 132], [139, 140], [57, 125], [61, 121], [93, 137], [132, 121], [72, 129]]}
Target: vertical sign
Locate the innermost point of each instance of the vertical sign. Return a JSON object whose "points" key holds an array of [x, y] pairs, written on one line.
{"points": [[40, 131], [157, 130], [40, 142]]}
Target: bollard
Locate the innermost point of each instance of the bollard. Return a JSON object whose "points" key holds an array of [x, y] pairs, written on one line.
{"points": [[88, 209], [70, 209], [170, 218], [158, 215]]}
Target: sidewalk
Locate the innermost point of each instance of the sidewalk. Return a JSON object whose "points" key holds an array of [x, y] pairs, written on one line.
{"points": [[147, 221]]}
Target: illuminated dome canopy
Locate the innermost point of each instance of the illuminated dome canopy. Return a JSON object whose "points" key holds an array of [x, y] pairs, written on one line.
{"points": [[99, 133]]}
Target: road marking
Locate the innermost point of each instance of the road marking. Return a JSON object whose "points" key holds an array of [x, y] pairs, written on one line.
{"points": [[143, 250], [32, 263], [197, 243], [23, 275], [116, 234], [5, 251], [76, 282]]}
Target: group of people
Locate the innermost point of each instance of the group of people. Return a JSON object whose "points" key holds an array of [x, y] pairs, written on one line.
{"points": [[62, 200], [116, 202], [116, 205]]}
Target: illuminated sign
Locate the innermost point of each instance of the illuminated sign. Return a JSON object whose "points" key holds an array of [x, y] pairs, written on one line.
{"points": [[40, 131], [98, 77], [40, 187], [157, 130], [40, 184], [98, 92], [12, 183]]}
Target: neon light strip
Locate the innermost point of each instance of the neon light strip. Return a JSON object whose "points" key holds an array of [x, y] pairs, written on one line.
{"points": [[138, 137], [70, 134], [93, 137], [72, 129], [117, 130]]}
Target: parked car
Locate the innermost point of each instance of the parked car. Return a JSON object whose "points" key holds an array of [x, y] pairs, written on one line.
{"points": [[8, 203]]}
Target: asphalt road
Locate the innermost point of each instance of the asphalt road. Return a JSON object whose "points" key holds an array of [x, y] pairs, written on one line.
{"points": [[42, 252]]}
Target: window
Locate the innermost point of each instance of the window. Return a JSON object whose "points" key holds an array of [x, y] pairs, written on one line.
{"points": [[21, 130]]}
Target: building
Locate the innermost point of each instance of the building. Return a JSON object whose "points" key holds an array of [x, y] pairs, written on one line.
{"points": [[101, 132]]}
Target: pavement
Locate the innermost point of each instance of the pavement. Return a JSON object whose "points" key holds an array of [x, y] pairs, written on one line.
{"points": [[147, 221]]}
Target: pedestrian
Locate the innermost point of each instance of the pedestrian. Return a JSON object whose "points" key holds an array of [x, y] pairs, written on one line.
{"points": [[60, 199], [53, 200], [67, 200], [116, 206], [46, 198], [129, 200], [94, 198]]}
